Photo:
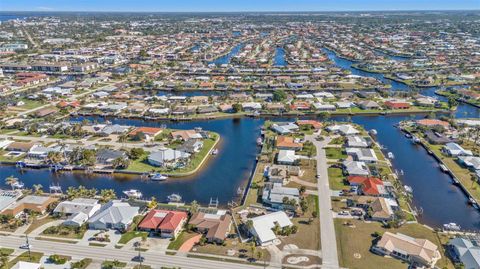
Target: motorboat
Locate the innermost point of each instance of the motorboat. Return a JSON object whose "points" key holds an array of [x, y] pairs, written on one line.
{"points": [[174, 198], [408, 189], [132, 193], [443, 168], [390, 155], [215, 152], [452, 226], [415, 139], [259, 141], [373, 132], [18, 185], [407, 135], [158, 177]]}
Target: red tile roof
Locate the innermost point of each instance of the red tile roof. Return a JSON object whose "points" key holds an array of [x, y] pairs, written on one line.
{"points": [[433, 122], [369, 184], [162, 219], [315, 124], [146, 130]]}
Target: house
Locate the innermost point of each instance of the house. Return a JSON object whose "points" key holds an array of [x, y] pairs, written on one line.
{"points": [[381, 209], [433, 123], [277, 194], [191, 146], [437, 138], [358, 142], [262, 226], [167, 157], [287, 157], [45, 112], [113, 129], [370, 186], [420, 252], [186, 135], [34, 203], [324, 107], [309, 123], [284, 128], [41, 152], [166, 223], [397, 105], [251, 106], [226, 108], [8, 198], [27, 265], [344, 129], [368, 105], [472, 162], [107, 156], [276, 174], [362, 154], [78, 211], [354, 168], [454, 149], [113, 215], [20, 146], [287, 143], [148, 132], [465, 251], [215, 226]]}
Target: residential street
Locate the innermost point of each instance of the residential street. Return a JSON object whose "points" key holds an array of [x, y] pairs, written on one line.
{"points": [[327, 228]]}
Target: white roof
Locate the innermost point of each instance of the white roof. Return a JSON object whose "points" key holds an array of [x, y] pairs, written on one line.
{"points": [[286, 156], [26, 265], [263, 225], [115, 212]]}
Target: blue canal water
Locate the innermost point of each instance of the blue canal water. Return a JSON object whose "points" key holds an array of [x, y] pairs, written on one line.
{"points": [[225, 59], [441, 201], [279, 59]]}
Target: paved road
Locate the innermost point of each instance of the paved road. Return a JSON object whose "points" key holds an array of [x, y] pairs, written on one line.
{"points": [[100, 253], [327, 227]]}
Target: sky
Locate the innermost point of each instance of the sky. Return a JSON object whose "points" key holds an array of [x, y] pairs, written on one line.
{"points": [[235, 5]]}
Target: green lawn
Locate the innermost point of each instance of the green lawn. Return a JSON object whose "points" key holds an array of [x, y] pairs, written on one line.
{"points": [[335, 153], [81, 264], [113, 264], [130, 235], [181, 238], [358, 240], [25, 257], [6, 251], [336, 178]]}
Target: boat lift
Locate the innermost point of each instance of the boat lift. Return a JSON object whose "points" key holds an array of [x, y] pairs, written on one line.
{"points": [[213, 203]]}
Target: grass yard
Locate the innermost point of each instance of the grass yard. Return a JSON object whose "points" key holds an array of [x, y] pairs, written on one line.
{"points": [[358, 240], [309, 168], [25, 257], [39, 222], [65, 231], [113, 264], [181, 238], [335, 153], [233, 244], [6, 251], [132, 233], [81, 264], [336, 179]]}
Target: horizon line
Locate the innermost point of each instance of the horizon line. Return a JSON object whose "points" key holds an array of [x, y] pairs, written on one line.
{"points": [[244, 11]]}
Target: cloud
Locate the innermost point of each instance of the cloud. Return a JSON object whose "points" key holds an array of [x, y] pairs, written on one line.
{"points": [[45, 8]]}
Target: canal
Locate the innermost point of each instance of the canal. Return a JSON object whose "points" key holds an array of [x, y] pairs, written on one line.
{"points": [[225, 59], [279, 58], [433, 192]]}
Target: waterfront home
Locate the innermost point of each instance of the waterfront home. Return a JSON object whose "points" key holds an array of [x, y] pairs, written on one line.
{"points": [[279, 107], [369, 104], [165, 223], [344, 129], [284, 128], [310, 124], [280, 197], [147, 133], [358, 142], [109, 129], [216, 227], [455, 150], [167, 157], [354, 168], [20, 146], [113, 215], [288, 143], [206, 109], [437, 138], [432, 123], [276, 174], [419, 252], [35, 203], [263, 225], [27, 265], [344, 105], [362, 154], [425, 101], [326, 95], [472, 162], [107, 156], [158, 111], [251, 106], [45, 112], [226, 108], [370, 186], [287, 157], [377, 208], [77, 211], [185, 135], [465, 251], [300, 105], [397, 104], [41, 152], [8, 198], [324, 107]]}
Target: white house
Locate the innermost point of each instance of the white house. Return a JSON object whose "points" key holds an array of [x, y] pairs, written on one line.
{"points": [[362, 154], [113, 215], [344, 129], [454, 149], [78, 211], [286, 157], [263, 225]]}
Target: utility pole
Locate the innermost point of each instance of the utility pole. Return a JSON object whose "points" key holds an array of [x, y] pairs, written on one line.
{"points": [[28, 246]]}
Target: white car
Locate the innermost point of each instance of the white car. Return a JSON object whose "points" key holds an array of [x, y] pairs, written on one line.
{"points": [[26, 246]]}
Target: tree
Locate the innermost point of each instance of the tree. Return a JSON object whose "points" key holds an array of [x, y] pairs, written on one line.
{"points": [[120, 162], [279, 95], [237, 107], [302, 190], [136, 153], [452, 102], [107, 195], [54, 157], [253, 248], [194, 207], [38, 188], [11, 180], [153, 203]]}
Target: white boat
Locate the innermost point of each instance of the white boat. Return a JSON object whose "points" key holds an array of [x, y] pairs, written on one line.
{"points": [[407, 135], [158, 177], [373, 132], [390, 155], [259, 141], [443, 168], [215, 152], [132, 193], [18, 185], [174, 198], [408, 188], [415, 139], [452, 226]]}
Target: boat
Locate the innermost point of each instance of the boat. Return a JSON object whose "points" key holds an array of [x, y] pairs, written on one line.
{"points": [[443, 168], [158, 177], [215, 152], [407, 135], [259, 141], [408, 188], [132, 193], [452, 226], [174, 198], [18, 185], [472, 201], [415, 139], [373, 132], [455, 181], [390, 155], [239, 191]]}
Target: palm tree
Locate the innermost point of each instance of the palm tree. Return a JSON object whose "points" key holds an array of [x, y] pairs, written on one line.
{"points": [[194, 207], [38, 188], [11, 180], [107, 195]]}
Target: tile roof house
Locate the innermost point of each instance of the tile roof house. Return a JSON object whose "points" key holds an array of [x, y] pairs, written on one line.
{"points": [[420, 252], [34, 203], [362, 154], [368, 185], [78, 210], [113, 215], [397, 105], [148, 131], [186, 135], [215, 226], [164, 222], [466, 252], [262, 226], [432, 123], [287, 157], [287, 143], [354, 168], [167, 157], [313, 123], [454, 149]]}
